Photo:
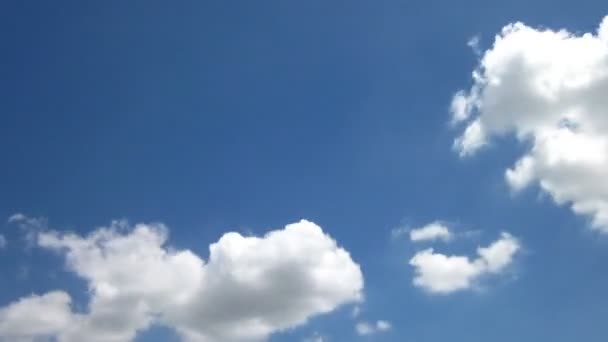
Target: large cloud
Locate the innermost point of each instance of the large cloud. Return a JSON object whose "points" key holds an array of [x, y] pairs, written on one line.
{"points": [[443, 274], [249, 288], [548, 88]]}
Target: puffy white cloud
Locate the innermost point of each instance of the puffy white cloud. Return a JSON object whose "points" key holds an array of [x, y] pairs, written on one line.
{"points": [[272, 283], [430, 232], [367, 328], [36, 317], [547, 88], [499, 254], [443, 274], [249, 288], [131, 277]]}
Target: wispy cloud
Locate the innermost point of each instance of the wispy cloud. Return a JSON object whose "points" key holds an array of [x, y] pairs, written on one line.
{"points": [[366, 328]]}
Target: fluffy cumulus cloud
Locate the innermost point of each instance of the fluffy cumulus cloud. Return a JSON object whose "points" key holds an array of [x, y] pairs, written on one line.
{"points": [[36, 317], [443, 274], [367, 328], [548, 89], [430, 232], [249, 288]]}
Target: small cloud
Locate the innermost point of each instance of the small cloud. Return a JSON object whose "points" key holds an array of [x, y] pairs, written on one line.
{"points": [[434, 231], [367, 328], [17, 217], [316, 337], [473, 43], [430, 232], [443, 274], [364, 328], [2, 241], [30, 226], [383, 326], [26, 222]]}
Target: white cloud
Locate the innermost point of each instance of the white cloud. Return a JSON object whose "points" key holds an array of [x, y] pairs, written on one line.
{"points": [[26, 222], [443, 274], [367, 328], [473, 43], [17, 217], [547, 88], [364, 328], [30, 226], [2, 241], [249, 288], [36, 317], [383, 325], [499, 254], [430, 232], [316, 337]]}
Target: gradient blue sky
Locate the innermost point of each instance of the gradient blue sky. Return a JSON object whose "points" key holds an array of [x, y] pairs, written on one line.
{"points": [[247, 115]]}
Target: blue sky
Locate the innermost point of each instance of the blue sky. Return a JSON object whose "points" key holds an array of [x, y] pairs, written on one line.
{"points": [[246, 116]]}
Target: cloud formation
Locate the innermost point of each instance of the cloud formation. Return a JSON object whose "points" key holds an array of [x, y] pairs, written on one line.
{"points": [[430, 232], [547, 88], [34, 317], [444, 274], [259, 284], [315, 337], [367, 328], [29, 226]]}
